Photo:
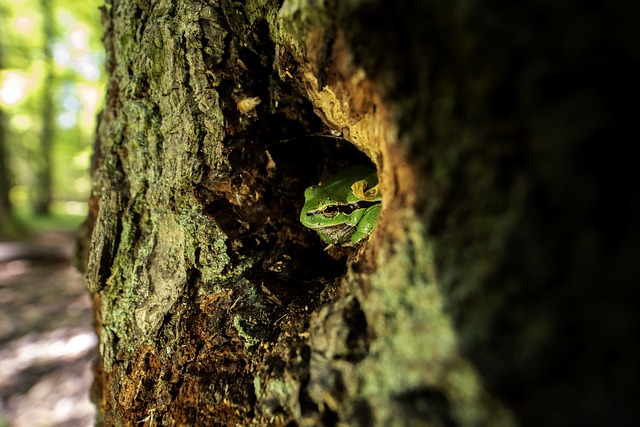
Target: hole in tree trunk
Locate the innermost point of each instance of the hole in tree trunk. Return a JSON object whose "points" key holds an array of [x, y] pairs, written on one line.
{"points": [[258, 205]]}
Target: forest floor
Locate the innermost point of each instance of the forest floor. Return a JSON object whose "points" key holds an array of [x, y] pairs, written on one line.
{"points": [[47, 343]]}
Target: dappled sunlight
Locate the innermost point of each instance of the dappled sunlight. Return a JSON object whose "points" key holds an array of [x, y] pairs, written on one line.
{"points": [[26, 24], [57, 366], [20, 123], [74, 208], [41, 349], [47, 342], [14, 86], [51, 89]]}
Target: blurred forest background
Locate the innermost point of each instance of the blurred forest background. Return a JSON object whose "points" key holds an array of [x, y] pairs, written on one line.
{"points": [[51, 89], [51, 86]]}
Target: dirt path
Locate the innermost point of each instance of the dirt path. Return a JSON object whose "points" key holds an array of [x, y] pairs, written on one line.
{"points": [[47, 343]]}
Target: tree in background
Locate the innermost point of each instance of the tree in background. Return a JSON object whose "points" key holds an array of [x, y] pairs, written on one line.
{"points": [[43, 191], [50, 89], [7, 222], [6, 214]]}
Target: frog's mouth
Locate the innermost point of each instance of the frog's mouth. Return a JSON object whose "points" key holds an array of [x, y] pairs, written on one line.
{"points": [[333, 228], [337, 232]]}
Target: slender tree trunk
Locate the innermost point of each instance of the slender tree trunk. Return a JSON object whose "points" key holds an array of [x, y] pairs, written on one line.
{"points": [[7, 222], [6, 214], [493, 291], [44, 182]]}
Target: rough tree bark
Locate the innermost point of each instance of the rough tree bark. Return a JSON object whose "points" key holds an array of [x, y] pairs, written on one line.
{"points": [[494, 290]]}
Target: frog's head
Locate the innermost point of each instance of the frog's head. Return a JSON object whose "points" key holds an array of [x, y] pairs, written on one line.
{"points": [[335, 222], [333, 210], [321, 209]]}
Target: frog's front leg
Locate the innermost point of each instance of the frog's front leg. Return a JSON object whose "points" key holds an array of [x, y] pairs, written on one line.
{"points": [[366, 223]]}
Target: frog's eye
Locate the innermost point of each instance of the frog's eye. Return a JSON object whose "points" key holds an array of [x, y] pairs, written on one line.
{"points": [[330, 211]]}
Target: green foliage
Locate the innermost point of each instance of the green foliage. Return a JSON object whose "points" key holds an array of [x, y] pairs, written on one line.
{"points": [[77, 84], [59, 220]]}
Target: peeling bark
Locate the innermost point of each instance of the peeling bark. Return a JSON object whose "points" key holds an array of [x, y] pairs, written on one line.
{"points": [[471, 301]]}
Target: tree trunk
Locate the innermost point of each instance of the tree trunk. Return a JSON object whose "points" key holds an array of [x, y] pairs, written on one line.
{"points": [[44, 182], [8, 226], [493, 291], [7, 222]]}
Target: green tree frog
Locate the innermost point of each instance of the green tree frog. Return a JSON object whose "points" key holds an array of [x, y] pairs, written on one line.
{"points": [[344, 209]]}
